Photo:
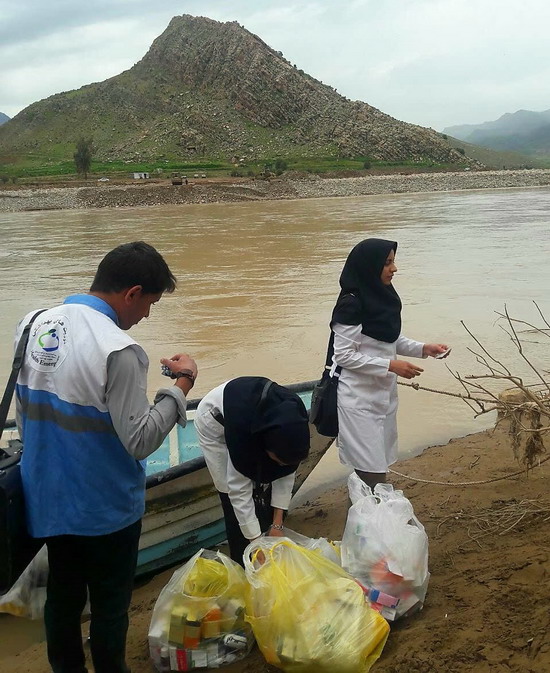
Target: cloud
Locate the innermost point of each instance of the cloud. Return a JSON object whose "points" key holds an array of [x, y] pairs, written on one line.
{"points": [[430, 62]]}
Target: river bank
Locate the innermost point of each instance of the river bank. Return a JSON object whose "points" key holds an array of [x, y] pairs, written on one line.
{"points": [[103, 195], [487, 604]]}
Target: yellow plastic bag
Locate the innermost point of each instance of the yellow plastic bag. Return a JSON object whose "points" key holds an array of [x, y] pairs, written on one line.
{"points": [[308, 615], [198, 620]]}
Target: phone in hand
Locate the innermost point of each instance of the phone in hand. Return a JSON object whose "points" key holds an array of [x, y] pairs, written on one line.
{"points": [[440, 356]]}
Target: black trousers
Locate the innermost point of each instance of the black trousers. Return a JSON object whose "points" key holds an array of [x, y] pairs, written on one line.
{"points": [[104, 566], [235, 539]]}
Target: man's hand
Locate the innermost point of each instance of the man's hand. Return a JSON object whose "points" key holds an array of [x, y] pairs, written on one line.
{"points": [[180, 362], [405, 369], [432, 350]]}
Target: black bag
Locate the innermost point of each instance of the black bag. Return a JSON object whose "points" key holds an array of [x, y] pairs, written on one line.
{"points": [[323, 412], [17, 547]]}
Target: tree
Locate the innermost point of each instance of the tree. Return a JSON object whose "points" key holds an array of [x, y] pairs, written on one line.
{"points": [[280, 166], [83, 156]]}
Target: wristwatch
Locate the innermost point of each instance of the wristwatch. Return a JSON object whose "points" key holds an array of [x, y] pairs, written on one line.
{"points": [[183, 374]]}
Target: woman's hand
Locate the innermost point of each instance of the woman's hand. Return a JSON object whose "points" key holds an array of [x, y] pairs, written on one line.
{"points": [[275, 532], [432, 350], [405, 369]]}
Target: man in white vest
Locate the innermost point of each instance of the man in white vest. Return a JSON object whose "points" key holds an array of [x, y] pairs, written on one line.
{"points": [[87, 427]]}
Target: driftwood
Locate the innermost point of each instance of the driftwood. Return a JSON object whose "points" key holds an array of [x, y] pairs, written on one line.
{"points": [[523, 407]]}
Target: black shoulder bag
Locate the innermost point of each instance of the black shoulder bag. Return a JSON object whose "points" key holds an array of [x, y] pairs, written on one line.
{"points": [[323, 412], [17, 547]]}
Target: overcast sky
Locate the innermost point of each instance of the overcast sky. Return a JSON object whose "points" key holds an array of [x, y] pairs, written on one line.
{"points": [[429, 62]]}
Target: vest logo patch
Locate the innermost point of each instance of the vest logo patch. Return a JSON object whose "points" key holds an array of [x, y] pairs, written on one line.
{"points": [[49, 347]]}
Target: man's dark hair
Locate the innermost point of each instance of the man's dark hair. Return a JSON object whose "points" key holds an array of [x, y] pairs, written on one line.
{"points": [[132, 264]]}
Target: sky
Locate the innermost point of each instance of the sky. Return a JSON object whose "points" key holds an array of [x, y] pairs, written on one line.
{"points": [[435, 63]]}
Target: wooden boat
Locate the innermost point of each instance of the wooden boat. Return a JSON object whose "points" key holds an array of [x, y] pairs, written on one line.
{"points": [[183, 511]]}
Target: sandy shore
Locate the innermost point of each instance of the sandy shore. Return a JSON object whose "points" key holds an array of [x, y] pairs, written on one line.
{"points": [[487, 603], [104, 195]]}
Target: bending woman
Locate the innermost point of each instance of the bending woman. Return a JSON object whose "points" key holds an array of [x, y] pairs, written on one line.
{"points": [[366, 322], [253, 434]]}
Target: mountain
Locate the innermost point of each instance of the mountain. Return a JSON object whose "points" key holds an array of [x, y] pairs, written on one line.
{"points": [[3, 118], [215, 90], [522, 131]]}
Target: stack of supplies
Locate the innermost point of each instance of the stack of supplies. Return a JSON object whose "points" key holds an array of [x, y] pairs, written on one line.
{"points": [[308, 615], [385, 548], [198, 620]]}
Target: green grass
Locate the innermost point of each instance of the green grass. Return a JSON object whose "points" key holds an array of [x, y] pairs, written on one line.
{"points": [[38, 167]]}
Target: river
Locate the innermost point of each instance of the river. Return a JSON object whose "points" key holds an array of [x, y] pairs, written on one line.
{"points": [[257, 281]]}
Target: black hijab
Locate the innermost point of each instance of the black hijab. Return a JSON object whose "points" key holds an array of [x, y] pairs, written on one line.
{"points": [[279, 424], [375, 306]]}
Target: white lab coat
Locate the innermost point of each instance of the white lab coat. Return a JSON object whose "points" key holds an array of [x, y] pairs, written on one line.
{"points": [[367, 397], [226, 478]]}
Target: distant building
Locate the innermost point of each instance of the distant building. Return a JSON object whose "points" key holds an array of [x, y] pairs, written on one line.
{"points": [[141, 176]]}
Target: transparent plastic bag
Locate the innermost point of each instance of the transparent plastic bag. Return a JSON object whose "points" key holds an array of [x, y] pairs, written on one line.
{"points": [[385, 547], [357, 488], [198, 619], [328, 548], [308, 615], [28, 595]]}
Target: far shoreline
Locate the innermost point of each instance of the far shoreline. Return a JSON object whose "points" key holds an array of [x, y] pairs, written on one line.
{"points": [[290, 187]]}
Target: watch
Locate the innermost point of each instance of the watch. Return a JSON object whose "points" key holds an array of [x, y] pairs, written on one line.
{"points": [[184, 374]]}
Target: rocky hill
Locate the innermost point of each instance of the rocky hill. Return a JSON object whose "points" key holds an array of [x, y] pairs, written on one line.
{"points": [[3, 118], [210, 89], [522, 131]]}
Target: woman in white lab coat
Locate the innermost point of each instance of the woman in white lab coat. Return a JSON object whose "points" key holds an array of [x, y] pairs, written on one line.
{"points": [[253, 434], [366, 322]]}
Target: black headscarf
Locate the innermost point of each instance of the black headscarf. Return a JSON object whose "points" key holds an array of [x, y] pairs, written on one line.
{"points": [[375, 306], [279, 425]]}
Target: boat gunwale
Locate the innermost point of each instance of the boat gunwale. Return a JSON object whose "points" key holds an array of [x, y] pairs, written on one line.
{"points": [[195, 464]]}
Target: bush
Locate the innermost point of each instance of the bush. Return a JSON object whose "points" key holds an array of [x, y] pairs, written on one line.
{"points": [[280, 166], [367, 165], [4, 179]]}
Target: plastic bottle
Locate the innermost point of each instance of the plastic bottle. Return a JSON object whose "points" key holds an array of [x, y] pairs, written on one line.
{"points": [[165, 659]]}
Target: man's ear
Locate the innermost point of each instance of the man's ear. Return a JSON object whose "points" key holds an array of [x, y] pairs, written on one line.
{"points": [[132, 293]]}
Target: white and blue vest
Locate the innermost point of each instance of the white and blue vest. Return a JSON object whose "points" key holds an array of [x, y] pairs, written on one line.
{"points": [[77, 476]]}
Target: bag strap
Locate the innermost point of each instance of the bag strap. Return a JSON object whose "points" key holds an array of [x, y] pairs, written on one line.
{"points": [[330, 349], [263, 396], [16, 366], [330, 353]]}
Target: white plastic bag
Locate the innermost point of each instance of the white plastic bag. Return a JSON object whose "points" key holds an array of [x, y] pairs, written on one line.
{"points": [[28, 595], [357, 488], [385, 547], [198, 619]]}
